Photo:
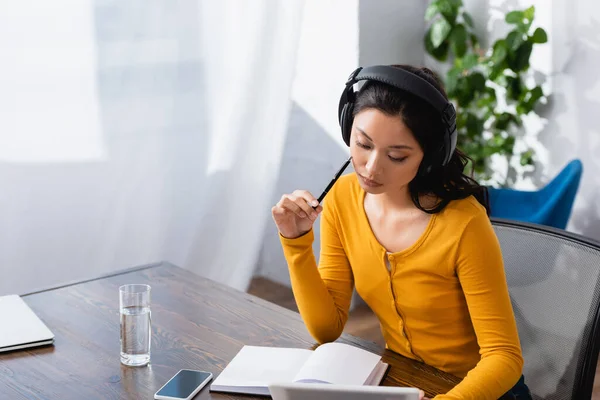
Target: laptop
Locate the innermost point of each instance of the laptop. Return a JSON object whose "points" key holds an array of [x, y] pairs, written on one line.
{"points": [[20, 328], [324, 391]]}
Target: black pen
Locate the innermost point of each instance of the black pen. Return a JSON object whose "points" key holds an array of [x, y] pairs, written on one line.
{"points": [[335, 178]]}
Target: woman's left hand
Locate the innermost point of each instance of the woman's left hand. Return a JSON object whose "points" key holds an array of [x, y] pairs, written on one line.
{"points": [[422, 395]]}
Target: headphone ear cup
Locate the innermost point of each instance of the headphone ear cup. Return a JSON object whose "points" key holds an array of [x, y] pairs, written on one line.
{"points": [[450, 147], [346, 122]]}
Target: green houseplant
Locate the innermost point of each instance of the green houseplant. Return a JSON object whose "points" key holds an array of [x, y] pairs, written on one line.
{"points": [[488, 86]]}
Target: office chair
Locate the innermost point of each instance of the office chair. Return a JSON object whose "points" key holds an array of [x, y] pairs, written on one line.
{"points": [[554, 283]]}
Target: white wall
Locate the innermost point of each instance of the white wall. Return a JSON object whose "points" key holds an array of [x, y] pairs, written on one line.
{"points": [[572, 129], [391, 32], [364, 33]]}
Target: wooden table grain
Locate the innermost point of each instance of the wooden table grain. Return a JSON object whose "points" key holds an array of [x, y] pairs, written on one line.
{"points": [[196, 324]]}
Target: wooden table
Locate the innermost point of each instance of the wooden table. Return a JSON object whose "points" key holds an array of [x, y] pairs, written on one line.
{"points": [[196, 324]]}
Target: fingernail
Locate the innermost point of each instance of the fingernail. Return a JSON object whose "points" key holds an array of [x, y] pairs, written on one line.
{"points": [[314, 203]]}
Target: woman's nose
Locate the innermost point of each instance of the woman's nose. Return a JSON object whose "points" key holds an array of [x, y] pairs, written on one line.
{"points": [[372, 165]]}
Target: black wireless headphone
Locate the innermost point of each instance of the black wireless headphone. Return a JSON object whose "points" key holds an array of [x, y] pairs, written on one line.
{"points": [[404, 80]]}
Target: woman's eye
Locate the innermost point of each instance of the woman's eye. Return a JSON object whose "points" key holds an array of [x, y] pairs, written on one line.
{"points": [[401, 159], [362, 145]]}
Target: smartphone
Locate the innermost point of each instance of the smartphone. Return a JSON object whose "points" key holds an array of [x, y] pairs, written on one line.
{"points": [[184, 385]]}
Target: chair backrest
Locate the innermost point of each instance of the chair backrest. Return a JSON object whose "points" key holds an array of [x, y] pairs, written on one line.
{"points": [[554, 283], [551, 205], [559, 195]]}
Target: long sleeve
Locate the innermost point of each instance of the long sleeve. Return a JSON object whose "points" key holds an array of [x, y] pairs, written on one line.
{"points": [[323, 294], [481, 274]]}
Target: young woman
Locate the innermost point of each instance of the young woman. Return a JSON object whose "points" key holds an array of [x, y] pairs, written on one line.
{"points": [[411, 232]]}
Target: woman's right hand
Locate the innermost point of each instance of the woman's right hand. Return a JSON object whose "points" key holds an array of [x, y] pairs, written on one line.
{"points": [[294, 214]]}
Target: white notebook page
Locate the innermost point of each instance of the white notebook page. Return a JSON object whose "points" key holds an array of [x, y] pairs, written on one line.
{"points": [[338, 363], [259, 366]]}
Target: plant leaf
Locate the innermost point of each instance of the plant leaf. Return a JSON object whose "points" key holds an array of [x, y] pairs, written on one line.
{"points": [[467, 18], [519, 61], [527, 158], [477, 81], [469, 61], [473, 125], [458, 40], [452, 80], [539, 36], [514, 40], [439, 31], [522, 108], [536, 94], [497, 70], [514, 17], [529, 13], [448, 10], [500, 52], [439, 53], [529, 100], [514, 87], [464, 92], [503, 120], [431, 10], [509, 142]]}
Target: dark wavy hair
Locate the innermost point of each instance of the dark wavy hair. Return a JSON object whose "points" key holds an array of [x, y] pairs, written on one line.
{"points": [[447, 182]]}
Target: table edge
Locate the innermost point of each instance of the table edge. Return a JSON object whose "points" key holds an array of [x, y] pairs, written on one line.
{"points": [[108, 275]]}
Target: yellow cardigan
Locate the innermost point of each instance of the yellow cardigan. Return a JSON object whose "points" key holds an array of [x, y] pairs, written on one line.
{"points": [[445, 301]]}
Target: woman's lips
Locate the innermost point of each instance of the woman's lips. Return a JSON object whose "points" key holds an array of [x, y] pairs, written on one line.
{"points": [[369, 182]]}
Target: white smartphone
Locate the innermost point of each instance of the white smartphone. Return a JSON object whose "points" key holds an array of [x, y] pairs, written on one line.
{"points": [[184, 385]]}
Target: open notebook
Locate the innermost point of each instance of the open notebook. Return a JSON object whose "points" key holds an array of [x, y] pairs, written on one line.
{"points": [[254, 368]]}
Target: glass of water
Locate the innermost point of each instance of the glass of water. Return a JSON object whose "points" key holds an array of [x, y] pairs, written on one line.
{"points": [[134, 307]]}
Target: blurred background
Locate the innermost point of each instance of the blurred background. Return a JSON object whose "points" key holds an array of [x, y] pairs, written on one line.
{"points": [[146, 130]]}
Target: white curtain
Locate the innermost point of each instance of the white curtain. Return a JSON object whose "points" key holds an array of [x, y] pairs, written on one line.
{"points": [[139, 131]]}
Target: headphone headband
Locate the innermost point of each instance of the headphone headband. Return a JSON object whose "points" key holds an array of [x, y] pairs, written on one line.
{"points": [[404, 80]]}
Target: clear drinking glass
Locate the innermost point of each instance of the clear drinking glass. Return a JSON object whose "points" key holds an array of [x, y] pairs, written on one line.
{"points": [[134, 307]]}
